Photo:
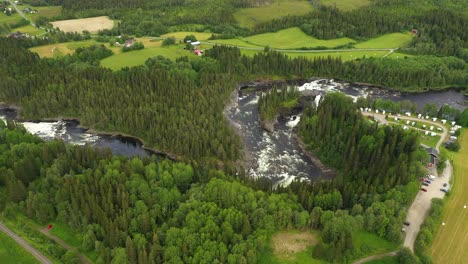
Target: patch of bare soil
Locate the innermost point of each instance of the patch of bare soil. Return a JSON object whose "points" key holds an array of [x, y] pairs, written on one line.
{"points": [[92, 24], [286, 244]]}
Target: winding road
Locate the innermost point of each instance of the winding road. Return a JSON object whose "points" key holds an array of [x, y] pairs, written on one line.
{"points": [[25, 245]]}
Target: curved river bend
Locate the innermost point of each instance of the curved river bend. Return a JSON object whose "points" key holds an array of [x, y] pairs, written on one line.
{"points": [[275, 156]]}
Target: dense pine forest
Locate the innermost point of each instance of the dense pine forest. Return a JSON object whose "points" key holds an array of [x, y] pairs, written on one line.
{"points": [[150, 211]]}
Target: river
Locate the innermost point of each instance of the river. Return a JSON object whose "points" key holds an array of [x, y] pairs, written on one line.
{"points": [[275, 156]]}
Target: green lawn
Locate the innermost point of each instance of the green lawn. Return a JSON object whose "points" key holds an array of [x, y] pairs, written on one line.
{"points": [[346, 4], [59, 49], [449, 244], [249, 17], [13, 19], [11, 252], [392, 40], [370, 244], [294, 38], [45, 11], [138, 57]]}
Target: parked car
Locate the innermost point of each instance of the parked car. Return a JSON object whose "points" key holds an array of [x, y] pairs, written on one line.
{"points": [[425, 184], [443, 190], [424, 190], [428, 182], [421, 179], [445, 184], [406, 223]]}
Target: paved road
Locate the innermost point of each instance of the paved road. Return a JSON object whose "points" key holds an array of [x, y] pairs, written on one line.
{"points": [[422, 204], [25, 245], [364, 260], [21, 13], [82, 257]]}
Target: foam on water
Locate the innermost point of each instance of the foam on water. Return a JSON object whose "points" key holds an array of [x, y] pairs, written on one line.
{"points": [[292, 123], [45, 130]]}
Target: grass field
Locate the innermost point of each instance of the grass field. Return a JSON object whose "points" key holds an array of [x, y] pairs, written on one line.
{"points": [[45, 11], [392, 40], [31, 30], [346, 4], [294, 38], [138, 57], [92, 24], [11, 252], [346, 56], [235, 42], [398, 55], [14, 18], [373, 244], [249, 17], [60, 49], [181, 35], [450, 241]]}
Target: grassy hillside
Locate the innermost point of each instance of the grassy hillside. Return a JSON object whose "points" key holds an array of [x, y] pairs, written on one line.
{"points": [[450, 241], [346, 4], [11, 252], [248, 17], [294, 38], [392, 40]]}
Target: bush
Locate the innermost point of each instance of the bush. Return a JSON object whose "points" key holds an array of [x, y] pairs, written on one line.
{"points": [[169, 41], [135, 46]]}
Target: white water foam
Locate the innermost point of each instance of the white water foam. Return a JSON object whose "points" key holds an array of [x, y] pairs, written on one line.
{"points": [[3, 119], [293, 123], [45, 130]]}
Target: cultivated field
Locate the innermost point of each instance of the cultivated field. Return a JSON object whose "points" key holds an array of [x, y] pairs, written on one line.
{"points": [[44, 11], [60, 49], [92, 24], [450, 241], [294, 38], [181, 35], [31, 30], [11, 252], [392, 40], [346, 4], [249, 17], [138, 57]]}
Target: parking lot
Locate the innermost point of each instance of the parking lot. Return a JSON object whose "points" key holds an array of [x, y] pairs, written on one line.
{"points": [[422, 203]]}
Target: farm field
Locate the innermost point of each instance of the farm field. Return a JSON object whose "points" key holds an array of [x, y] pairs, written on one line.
{"points": [[92, 24], [449, 245], [60, 49], [234, 42], [11, 252], [392, 40], [182, 34], [31, 30], [45, 11], [138, 57], [249, 17], [346, 4], [294, 38], [345, 56], [13, 19]]}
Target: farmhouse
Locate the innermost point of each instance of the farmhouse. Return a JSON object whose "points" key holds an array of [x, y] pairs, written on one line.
{"points": [[198, 52], [18, 35], [195, 43], [129, 42], [29, 10]]}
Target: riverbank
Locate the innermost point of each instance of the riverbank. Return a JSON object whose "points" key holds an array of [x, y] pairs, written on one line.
{"points": [[116, 134]]}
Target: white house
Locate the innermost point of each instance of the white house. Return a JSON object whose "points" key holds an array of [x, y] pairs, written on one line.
{"points": [[426, 133], [443, 121], [408, 114], [433, 134], [195, 43], [431, 128], [434, 119]]}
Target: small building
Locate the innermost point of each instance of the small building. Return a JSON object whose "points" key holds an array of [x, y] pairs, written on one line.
{"points": [[129, 42], [453, 123], [427, 117], [413, 124], [376, 111], [426, 133], [396, 118], [434, 119], [443, 121], [419, 116], [433, 154], [198, 52], [195, 43], [383, 112], [405, 128], [431, 128], [18, 35], [433, 134], [453, 138], [414, 31], [439, 129], [408, 114]]}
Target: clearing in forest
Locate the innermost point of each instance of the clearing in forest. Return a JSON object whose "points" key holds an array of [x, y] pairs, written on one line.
{"points": [[294, 38], [287, 244], [249, 17], [92, 24], [450, 240]]}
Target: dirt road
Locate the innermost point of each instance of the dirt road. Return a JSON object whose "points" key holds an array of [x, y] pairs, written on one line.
{"points": [[82, 257], [364, 260], [25, 245], [422, 203]]}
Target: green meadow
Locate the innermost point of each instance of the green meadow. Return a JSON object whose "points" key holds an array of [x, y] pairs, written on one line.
{"points": [[392, 40], [346, 56], [138, 57], [11, 252], [294, 38], [249, 17], [346, 4]]}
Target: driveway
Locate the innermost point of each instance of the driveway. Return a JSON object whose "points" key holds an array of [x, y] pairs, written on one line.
{"points": [[422, 204]]}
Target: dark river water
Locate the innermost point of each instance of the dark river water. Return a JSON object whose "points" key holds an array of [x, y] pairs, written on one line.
{"points": [[275, 156]]}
